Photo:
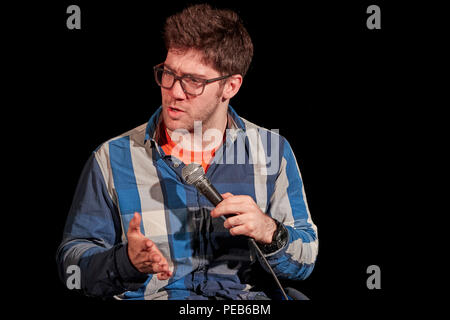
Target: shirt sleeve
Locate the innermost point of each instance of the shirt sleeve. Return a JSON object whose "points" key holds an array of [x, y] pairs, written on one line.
{"points": [[92, 240], [288, 205]]}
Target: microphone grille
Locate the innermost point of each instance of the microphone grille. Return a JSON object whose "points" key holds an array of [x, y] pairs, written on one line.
{"points": [[192, 172]]}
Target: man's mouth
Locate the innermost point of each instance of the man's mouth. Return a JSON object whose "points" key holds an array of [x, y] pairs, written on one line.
{"points": [[174, 109]]}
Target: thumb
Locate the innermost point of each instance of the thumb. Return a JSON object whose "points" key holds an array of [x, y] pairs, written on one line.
{"points": [[226, 195], [135, 223]]}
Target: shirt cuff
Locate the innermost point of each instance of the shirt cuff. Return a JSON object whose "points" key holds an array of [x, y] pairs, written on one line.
{"points": [[278, 253], [130, 276], [272, 252]]}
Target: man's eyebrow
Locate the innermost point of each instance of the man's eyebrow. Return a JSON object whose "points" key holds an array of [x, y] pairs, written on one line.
{"points": [[197, 75]]}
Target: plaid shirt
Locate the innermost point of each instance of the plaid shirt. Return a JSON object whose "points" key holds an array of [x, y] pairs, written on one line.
{"points": [[131, 173]]}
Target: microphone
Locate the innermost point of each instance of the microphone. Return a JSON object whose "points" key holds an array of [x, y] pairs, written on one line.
{"points": [[194, 174]]}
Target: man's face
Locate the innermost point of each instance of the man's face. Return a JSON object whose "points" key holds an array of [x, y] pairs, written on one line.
{"points": [[180, 110]]}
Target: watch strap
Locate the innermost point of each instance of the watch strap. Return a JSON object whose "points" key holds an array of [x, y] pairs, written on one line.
{"points": [[279, 239]]}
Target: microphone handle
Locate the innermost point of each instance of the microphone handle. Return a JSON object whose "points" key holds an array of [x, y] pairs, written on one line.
{"points": [[211, 193], [208, 190]]}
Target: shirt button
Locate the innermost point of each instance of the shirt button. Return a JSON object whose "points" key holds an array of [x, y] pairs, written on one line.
{"points": [[176, 164]]}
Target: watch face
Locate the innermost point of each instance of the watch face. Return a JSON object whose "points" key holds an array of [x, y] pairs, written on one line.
{"points": [[281, 235], [279, 241], [272, 247], [279, 231]]}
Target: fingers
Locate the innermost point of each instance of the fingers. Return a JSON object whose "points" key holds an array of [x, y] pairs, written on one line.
{"points": [[226, 195], [143, 253], [164, 275], [234, 221], [162, 269], [157, 267], [153, 249], [241, 224], [149, 245], [234, 205], [153, 255], [156, 259], [153, 258], [162, 272], [240, 230], [249, 220], [229, 208], [151, 262]]}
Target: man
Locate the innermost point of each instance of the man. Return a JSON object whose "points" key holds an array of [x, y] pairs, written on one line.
{"points": [[137, 230]]}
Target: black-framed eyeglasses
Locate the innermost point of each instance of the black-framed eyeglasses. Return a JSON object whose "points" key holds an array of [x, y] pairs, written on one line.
{"points": [[190, 85]]}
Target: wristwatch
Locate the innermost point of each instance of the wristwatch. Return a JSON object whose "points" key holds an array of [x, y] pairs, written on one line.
{"points": [[279, 239]]}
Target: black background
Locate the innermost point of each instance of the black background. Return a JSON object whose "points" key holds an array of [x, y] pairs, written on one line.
{"points": [[333, 88]]}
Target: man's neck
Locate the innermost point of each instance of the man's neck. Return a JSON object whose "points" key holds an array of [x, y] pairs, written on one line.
{"points": [[204, 137]]}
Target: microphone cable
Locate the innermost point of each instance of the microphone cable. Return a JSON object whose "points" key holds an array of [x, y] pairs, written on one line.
{"points": [[194, 174], [261, 254]]}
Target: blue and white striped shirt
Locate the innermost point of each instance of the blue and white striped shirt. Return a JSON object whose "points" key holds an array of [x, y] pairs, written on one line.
{"points": [[131, 173]]}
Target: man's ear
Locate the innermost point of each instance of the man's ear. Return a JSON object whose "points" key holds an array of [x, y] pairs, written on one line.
{"points": [[232, 86]]}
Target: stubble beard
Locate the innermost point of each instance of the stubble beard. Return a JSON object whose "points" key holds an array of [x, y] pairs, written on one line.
{"points": [[206, 118]]}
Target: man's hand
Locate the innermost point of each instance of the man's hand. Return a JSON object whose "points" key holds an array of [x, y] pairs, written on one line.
{"points": [[143, 253], [249, 219]]}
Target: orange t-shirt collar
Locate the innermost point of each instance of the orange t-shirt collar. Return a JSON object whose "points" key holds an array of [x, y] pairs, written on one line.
{"points": [[169, 147]]}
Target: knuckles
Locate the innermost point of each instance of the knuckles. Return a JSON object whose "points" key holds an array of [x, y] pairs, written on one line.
{"points": [[249, 199]]}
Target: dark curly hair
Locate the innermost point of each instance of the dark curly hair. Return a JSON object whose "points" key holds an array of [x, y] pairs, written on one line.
{"points": [[218, 33]]}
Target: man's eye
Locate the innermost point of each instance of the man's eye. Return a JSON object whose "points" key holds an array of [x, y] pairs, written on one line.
{"points": [[192, 80]]}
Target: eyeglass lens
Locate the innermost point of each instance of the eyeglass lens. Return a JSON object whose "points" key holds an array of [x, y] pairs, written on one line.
{"points": [[190, 85]]}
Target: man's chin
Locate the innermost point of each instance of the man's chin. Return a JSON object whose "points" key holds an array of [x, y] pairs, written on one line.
{"points": [[173, 124]]}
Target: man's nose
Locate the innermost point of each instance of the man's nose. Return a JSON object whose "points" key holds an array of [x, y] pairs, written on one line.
{"points": [[177, 91]]}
